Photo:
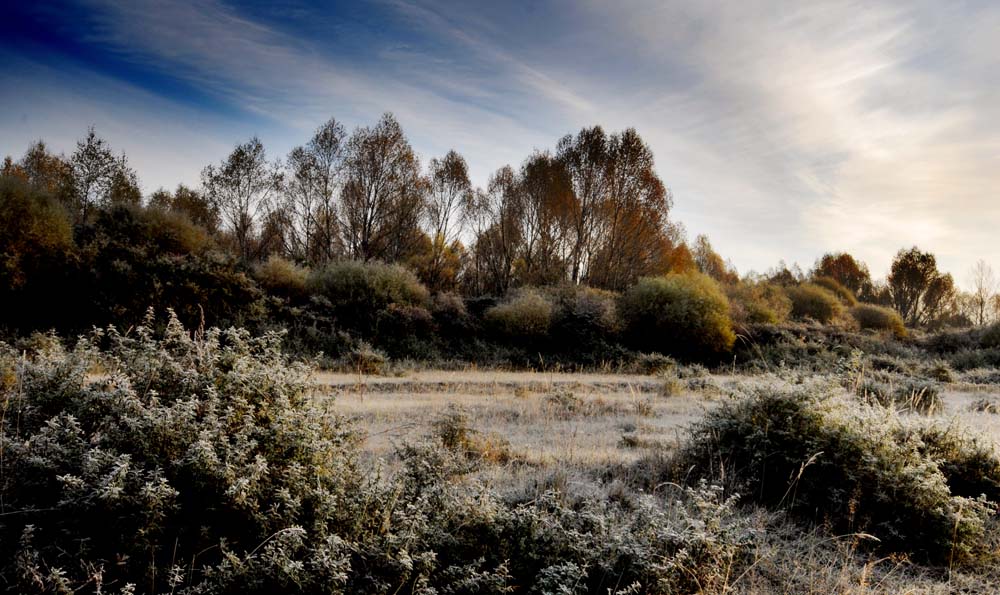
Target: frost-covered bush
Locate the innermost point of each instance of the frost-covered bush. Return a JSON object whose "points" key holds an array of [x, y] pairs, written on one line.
{"points": [[163, 461], [200, 465], [855, 468]]}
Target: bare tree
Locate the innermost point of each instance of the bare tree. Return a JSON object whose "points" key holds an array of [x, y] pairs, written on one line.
{"points": [[241, 188], [984, 289], [383, 196], [497, 214], [585, 158], [448, 202], [310, 191], [100, 178]]}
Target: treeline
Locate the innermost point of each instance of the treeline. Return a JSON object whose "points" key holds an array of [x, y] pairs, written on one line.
{"points": [[576, 241]]}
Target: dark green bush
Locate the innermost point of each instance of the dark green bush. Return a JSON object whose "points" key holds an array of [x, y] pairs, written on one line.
{"points": [[829, 461], [813, 301], [525, 314], [990, 339], [976, 358], [878, 318], [283, 278], [584, 318], [356, 292], [685, 315]]}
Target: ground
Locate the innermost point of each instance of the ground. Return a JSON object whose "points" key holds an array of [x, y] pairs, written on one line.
{"points": [[573, 431]]}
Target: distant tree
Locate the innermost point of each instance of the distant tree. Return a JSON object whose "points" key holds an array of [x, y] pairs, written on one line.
{"points": [[497, 216], [448, 200], [546, 203], [100, 178], [46, 172], [383, 195], [311, 183], [241, 188], [782, 275], [632, 230], [586, 159], [984, 290], [846, 270], [187, 202], [920, 293], [710, 263]]}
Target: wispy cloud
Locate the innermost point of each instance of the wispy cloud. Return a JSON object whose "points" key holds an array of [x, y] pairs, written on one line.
{"points": [[783, 130]]}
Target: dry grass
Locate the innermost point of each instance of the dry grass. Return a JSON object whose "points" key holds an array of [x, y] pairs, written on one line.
{"points": [[571, 432]]}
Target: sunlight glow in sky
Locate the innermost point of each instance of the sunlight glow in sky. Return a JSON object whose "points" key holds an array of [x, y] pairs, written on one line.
{"points": [[784, 130]]}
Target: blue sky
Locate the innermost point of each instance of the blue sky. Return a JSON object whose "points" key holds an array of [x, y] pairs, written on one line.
{"points": [[783, 129]]}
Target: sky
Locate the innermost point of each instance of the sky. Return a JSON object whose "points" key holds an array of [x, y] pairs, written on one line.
{"points": [[783, 129]]}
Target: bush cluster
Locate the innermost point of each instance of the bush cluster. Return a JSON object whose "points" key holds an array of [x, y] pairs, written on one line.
{"points": [[686, 315], [200, 465], [916, 488]]}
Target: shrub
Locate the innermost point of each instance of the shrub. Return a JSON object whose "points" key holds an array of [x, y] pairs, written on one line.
{"points": [[356, 292], [196, 450], [365, 359], [405, 331], [526, 314], [758, 303], [813, 301], [449, 312], [678, 314], [907, 394], [976, 358], [843, 294], [584, 317], [200, 466], [990, 339], [829, 461], [878, 318], [282, 277]]}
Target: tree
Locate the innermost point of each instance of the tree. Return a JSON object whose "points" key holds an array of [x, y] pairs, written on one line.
{"points": [[43, 171], [383, 196], [241, 188], [312, 179], [448, 200], [918, 290], [710, 263], [497, 214], [545, 201], [984, 289], [846, 270], [633, 235], [100, 178], [586, 159]]}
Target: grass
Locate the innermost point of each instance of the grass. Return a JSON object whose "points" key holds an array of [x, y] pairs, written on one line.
{"points": [[605, 435]]}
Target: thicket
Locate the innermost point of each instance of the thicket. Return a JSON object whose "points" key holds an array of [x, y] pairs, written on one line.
{"points": [[913, 486], [682, 314], [201, 465]]}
